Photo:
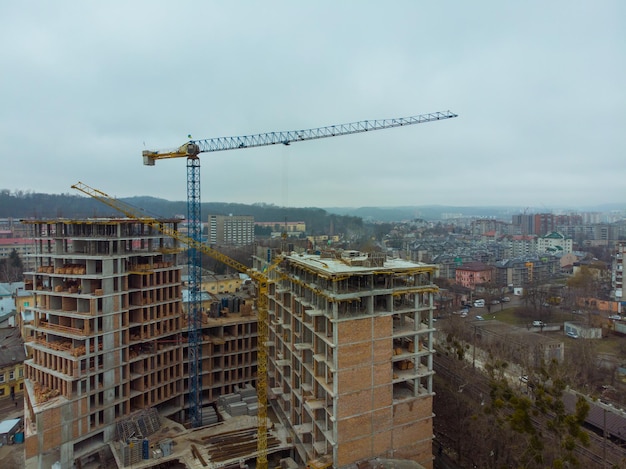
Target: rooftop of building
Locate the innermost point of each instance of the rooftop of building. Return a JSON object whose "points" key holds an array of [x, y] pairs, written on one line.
{"points": [[12, 348], [97, 220], [474, 267], [8, 289], [352, 262]]}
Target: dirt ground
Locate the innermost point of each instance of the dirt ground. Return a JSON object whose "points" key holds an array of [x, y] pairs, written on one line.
{"points": [[12, 456]]}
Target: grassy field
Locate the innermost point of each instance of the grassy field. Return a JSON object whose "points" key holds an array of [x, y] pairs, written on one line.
{"points": [[612, 345]]}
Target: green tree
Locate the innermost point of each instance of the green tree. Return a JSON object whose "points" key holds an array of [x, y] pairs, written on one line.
{"points": [[12, 268]]}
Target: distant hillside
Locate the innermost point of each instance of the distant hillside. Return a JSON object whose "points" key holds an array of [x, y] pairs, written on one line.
{"points": [[437, 212], [30, 205], [22, 204], [426, 212]]}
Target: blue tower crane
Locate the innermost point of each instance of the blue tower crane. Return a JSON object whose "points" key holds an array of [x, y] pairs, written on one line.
{"points": [[191, 150]]}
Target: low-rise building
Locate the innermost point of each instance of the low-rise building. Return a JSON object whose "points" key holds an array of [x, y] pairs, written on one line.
{"points": [[12, 358], [474, 273], [555, 243]]}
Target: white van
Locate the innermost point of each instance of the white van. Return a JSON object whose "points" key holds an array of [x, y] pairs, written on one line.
{"points": [[479, 303]]}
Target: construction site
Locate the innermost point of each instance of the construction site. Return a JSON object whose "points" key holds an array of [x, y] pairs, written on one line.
{"points": [[130, 366], [349, 365]]}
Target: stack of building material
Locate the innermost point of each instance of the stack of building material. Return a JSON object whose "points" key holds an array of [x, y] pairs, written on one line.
{"points": [[235, 445], [209, 417], [131, 452], [149, 421], [243, 401], [140, 424], [166, 446], [127, 429], [247, 391], [226, 399], [236, 409]]}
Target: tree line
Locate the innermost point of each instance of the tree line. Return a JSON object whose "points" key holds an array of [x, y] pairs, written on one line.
{"points": [[24, 205]]}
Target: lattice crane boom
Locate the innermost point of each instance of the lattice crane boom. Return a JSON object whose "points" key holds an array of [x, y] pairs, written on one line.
{"points": [[195, 147]]}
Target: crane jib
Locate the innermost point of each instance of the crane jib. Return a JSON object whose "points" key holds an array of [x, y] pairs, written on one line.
{"points": [[193, 148], [287, 137]]}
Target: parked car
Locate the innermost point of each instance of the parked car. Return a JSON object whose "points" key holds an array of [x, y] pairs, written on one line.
{"points": [[538, 323], [572, 334], [479, 303], [615, 317], [479, 318], [495, 302], [505, 299]]}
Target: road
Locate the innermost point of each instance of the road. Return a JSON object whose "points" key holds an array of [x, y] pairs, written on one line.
{"points": [[10, 409]]}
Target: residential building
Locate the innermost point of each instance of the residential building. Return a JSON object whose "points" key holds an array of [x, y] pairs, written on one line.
{"points": [[107, 333], [617, 273], [289, 227], [473, 274], [22, 246], [555, 243], [222, 284], [524, 223], [12, 358], [514, 273], [236, 230], [544, 223], [519, 245], [109, 337], [351, 360]]}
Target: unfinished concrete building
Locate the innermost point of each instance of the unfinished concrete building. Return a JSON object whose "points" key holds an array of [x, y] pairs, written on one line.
{"points": [[107, 333], [109, 336], [350, 366]]}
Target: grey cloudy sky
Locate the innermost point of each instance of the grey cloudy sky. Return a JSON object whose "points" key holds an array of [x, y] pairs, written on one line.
{"points": [[539, 88]]}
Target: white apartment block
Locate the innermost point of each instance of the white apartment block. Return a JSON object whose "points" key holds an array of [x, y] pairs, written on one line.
{"points": [[237, 230], [555, 243]]}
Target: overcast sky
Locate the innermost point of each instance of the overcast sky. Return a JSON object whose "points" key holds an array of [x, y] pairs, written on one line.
{"points": [[539, 87]]}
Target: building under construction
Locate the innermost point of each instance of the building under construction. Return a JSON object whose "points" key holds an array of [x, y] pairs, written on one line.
{"points": [[109, 336], [350, 362], [350, 369]]}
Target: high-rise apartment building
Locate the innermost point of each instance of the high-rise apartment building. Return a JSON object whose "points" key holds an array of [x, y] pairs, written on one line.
{"points": [[106, 333], [237, 230], [617, 274], [109, 336], [351, 356]]}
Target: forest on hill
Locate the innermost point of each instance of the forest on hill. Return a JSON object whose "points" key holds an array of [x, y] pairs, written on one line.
{"points": [[29, 205]]}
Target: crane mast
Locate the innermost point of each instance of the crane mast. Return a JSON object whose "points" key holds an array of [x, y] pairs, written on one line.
{"points": [[191, 150]]}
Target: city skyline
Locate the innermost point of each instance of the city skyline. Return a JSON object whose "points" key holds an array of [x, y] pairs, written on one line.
{"points": [[537, 88]]}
